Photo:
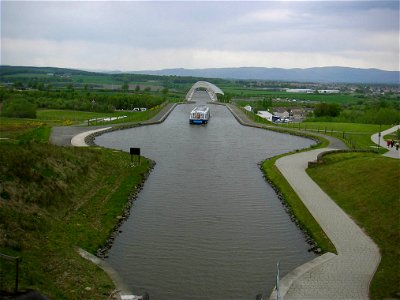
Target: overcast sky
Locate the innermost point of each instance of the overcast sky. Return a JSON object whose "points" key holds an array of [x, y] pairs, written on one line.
{"points": [[149, 35]]}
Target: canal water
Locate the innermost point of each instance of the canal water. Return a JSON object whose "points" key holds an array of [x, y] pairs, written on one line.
{"points": [[206, 224]]}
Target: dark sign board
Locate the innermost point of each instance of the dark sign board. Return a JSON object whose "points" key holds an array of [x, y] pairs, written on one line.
{"points": [[135, 151]]}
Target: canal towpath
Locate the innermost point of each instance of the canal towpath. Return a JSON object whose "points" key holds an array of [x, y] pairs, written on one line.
{"points": [[75, 135], [346, 275]]}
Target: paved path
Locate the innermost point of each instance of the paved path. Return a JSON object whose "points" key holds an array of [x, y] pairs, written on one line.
{"points": [[66, 135], [346, 275], [343, 276], [378, 139]]}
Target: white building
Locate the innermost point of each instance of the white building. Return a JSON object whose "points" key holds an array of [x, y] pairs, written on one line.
{"points": [[308, 91], [248, 108], [265, 115], [329, 91]]}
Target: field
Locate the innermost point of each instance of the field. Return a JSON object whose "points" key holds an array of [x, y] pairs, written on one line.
{"points": [[259, 93], [357, 136], [70, 117], [366, 186]]}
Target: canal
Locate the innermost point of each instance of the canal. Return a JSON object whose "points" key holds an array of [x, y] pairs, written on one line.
{"points": [[206, 224]]}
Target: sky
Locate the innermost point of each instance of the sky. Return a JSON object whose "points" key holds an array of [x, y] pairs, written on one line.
{"points": [[153, 35]]}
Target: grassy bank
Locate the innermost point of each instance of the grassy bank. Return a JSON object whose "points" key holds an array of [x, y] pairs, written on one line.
{"points": [[357, 136], [53, 200], [305, 220], [73, 117], [366, 186]]}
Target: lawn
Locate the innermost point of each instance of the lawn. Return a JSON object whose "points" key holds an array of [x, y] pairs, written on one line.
{"points": [[73, 117], [366, 186], [356, 135]]}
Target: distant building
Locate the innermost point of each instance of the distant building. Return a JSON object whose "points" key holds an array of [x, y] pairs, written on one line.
{"points": [[265, 115], [281, 112], [308, 91], [298, 114], [328, 91], [248, 108]]}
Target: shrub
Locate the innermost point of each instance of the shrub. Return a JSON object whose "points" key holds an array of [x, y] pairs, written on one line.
{"points": [[18, 108]]}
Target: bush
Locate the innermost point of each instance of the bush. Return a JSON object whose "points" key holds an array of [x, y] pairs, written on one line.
{"points": [[327, 110], [18, 108]]}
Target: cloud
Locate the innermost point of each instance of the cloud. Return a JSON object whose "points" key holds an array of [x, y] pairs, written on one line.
{"points": [[152, 35]]}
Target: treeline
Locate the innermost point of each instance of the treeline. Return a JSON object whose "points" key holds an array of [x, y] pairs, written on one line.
{"points": [[24, 103], [377, 112]]}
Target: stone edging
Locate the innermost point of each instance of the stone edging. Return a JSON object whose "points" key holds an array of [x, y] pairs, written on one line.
{"points": [[320, 157], [122, 291], [89, 139], [291, 277]]}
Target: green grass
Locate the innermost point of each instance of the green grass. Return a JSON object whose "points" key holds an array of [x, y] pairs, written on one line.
{"points": [[252, 92], [22, 130], [296, 206], [357, 136], [70, 117], [366, 186], [54, 199]]}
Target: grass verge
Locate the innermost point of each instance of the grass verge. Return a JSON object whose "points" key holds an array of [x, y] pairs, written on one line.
{"points": [[54, 199], [296, 207], [70, 117], [366, 186], [356, 136]]}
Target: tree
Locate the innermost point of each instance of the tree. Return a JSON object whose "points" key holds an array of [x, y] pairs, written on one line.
{"points": [[327, 110], [125, 87], [18, 108]]}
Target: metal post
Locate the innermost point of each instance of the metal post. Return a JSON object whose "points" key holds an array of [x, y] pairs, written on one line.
{"points": [[379, 136], [278, 296], [17, 274]]}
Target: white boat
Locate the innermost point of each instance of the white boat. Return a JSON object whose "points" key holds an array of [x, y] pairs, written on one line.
{"points": [[200, 115]]}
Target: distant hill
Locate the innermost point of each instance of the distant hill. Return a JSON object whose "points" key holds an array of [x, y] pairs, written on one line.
{"points": [[321, 74]]}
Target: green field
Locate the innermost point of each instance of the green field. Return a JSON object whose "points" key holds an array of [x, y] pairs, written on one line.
{"points": [[357, 136], [69, 117], [329, 98], [366, 186]]}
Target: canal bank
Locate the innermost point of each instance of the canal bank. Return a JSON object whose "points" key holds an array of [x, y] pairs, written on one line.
{"points": [[320, 278], [346, 275], [81, 136], [226, 232]]}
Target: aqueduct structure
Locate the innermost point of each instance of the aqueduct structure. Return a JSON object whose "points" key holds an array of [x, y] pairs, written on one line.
{"points": [[211, 89]]}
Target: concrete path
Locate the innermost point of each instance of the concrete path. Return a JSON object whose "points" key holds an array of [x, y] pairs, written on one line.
{"points": [[75, 135], [79, 139], [378, 140], [343, 276], [346, 275]]}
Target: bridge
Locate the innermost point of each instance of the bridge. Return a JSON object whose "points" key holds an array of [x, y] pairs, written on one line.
{"points": [[211, 89]]}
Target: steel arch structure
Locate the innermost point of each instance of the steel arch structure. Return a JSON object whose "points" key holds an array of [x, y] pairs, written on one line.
{"points": [[211, 89]]}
